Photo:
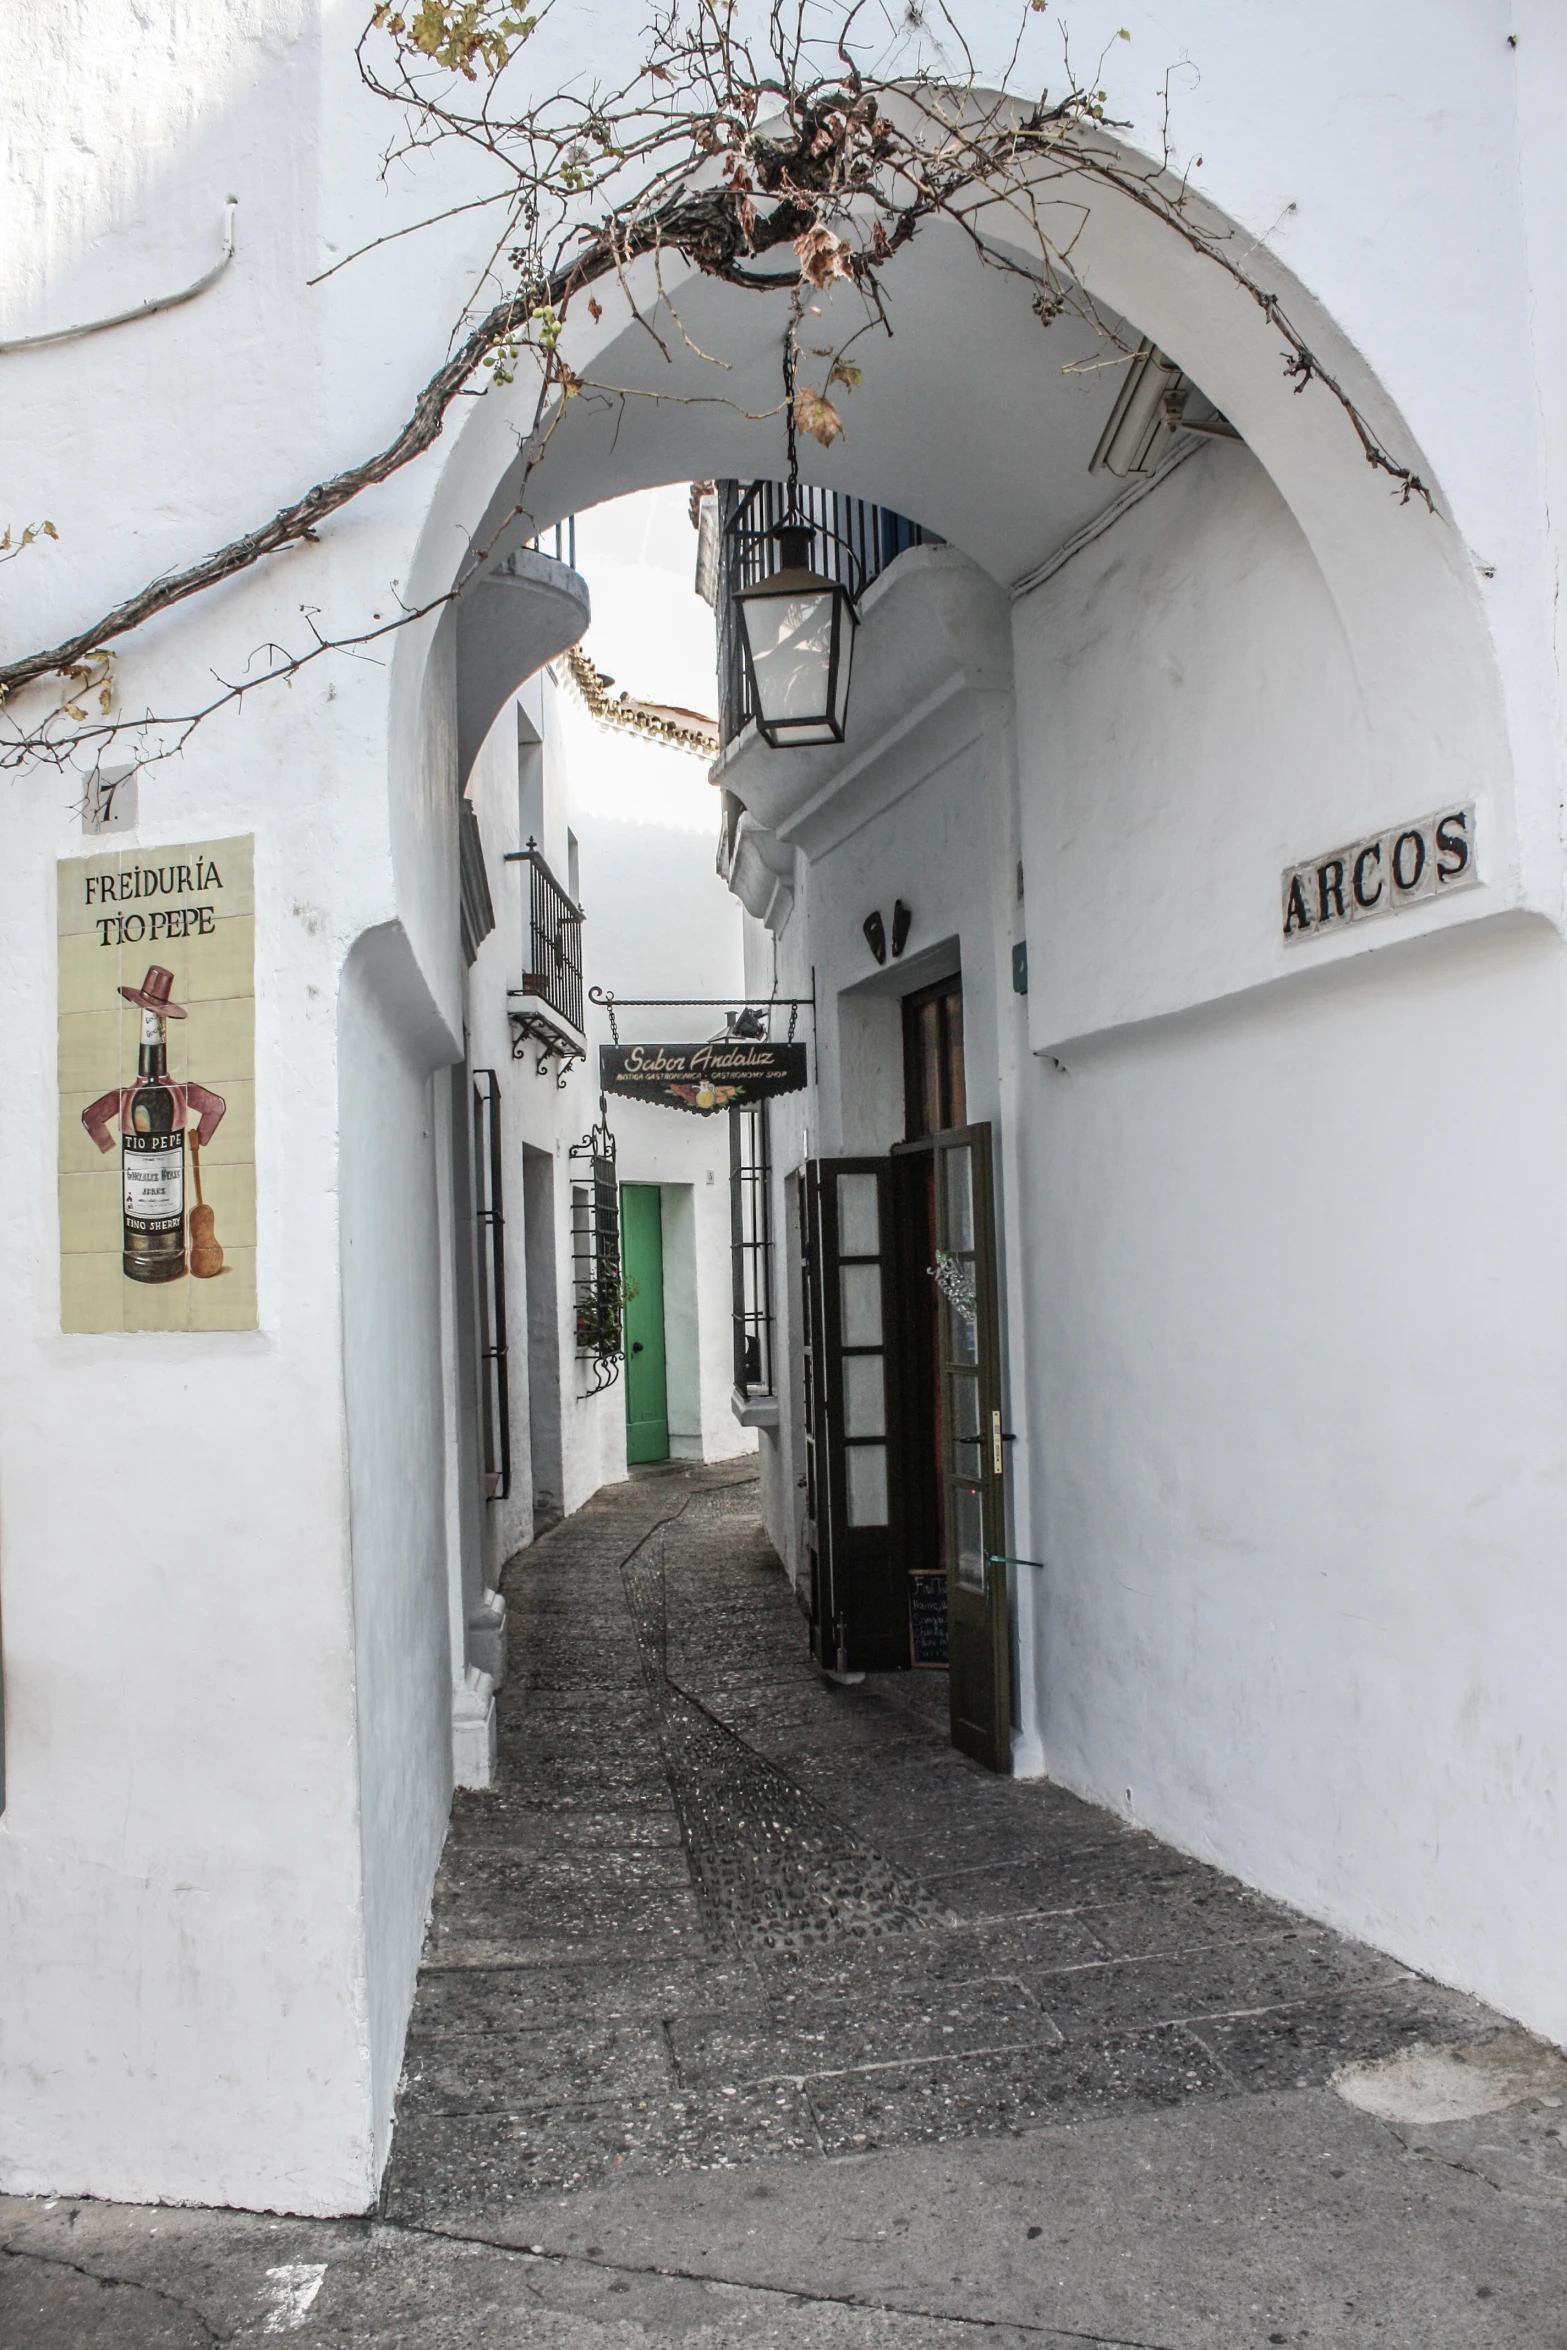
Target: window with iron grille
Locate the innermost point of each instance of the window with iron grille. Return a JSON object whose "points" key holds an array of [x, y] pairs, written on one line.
{"points": [[494, 1393], [597, 1288], [751, 1246]]}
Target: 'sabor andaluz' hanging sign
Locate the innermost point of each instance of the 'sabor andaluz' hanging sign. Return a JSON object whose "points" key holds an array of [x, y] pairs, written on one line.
{"points": [[702, 1078]]}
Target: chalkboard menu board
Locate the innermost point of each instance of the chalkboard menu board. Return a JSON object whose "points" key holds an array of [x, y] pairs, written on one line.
{"points": [[928, 1619]]}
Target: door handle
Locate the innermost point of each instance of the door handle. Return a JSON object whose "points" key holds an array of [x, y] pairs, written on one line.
{"points": [[636, 1346]]}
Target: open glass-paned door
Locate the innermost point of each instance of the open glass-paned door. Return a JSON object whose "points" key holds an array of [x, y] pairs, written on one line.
{"points": [[972, 1498], [859, 1611]]}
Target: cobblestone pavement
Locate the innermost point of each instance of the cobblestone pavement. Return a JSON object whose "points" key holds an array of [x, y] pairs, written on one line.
{"points": [[754, 2014]]}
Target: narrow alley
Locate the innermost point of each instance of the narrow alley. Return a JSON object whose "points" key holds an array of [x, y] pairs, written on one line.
{"points": [[754, 2014]]}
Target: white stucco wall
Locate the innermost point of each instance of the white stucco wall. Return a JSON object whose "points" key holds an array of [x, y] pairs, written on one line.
{"points": [[1189, 723], [1297, 1277], [183, 1999]]}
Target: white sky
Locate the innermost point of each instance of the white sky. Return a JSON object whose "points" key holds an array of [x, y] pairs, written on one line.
{"points": [[651, 630]]}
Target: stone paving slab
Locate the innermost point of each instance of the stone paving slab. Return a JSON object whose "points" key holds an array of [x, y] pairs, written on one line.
{"points": [[820, 2040], [512, 2072], [524, 1832], [499, 1938], [1303, 2046], [1211, 1979], [468, 2170], [1031, 2086], [964, 1954], [535, 1883], [953, 1841], [569, 1792], [479, 2000]]}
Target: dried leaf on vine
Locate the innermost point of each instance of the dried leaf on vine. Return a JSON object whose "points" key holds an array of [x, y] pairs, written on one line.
{"points": [[10, 548], [454, 33], [823, 256], [815, 414], [844, 373]]}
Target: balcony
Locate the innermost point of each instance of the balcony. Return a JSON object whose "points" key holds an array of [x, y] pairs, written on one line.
{"points": [[547, 1010]]}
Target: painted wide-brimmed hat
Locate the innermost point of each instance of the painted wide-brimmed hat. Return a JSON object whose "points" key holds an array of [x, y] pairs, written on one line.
{"points": [[153, 993]]}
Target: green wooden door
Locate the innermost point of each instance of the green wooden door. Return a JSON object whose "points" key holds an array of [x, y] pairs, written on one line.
{"points": [[642, 1261]]}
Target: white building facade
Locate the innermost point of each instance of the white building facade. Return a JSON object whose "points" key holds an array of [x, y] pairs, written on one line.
{"points": [[1280, 1285]]}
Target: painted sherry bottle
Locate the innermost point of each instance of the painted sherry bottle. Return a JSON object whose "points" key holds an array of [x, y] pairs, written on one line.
{"points": [[153, 1116], [152, 1161]]}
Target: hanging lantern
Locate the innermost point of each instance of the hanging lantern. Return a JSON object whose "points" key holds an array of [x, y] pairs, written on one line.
{"points": [[798, 627]]}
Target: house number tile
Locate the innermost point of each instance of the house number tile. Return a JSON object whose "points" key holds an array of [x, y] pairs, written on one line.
{"points": [[1407, 865]]}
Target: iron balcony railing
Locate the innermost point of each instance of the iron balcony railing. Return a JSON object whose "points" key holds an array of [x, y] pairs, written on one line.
{"points": [[560, 541], [554, 943], [851, 542]]}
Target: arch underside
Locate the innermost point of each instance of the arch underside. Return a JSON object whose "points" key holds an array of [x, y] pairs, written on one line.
{"points": [[980, 422]]}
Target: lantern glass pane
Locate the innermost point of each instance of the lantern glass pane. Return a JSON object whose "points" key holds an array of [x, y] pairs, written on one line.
{"points": [[840, 712], [790, 641]]}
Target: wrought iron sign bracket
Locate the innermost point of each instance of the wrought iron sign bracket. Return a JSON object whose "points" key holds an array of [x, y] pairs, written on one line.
{"points": [[607, 1001], [533, 1030]]}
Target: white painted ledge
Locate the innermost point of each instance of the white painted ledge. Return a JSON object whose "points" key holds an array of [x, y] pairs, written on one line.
{"points": [[473, 1730], [487, 1637], [761, 875], [754, 1411]]}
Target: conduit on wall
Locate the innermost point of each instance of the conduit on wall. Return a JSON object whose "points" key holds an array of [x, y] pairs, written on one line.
{"points": [[72, 334]]}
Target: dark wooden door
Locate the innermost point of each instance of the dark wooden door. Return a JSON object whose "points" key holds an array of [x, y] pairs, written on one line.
{"points": [[859, 1604], [971, 1459]]}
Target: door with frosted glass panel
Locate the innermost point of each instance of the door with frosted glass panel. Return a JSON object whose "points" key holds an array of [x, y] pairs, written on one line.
{"points": [[968, 1371], [860, 1616]]}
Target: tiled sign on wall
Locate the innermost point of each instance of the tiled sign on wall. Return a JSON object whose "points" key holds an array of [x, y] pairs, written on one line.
{"points": [[157, 1089], [1408, 865]]}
